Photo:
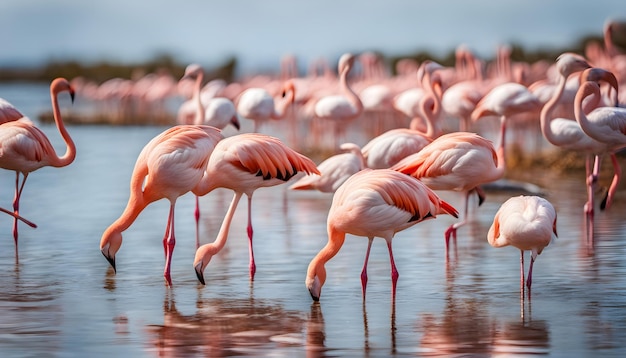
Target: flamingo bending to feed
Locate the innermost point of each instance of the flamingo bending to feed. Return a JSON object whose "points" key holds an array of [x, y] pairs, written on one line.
{"points": [[335, 170], [527, 223], [458, 161], [244, 163], [373, 203], [604, 124], [169, 166], [24, 148]]}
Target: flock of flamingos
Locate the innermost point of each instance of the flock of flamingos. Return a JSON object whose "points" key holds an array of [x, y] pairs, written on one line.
{"points": [[380, 188]]}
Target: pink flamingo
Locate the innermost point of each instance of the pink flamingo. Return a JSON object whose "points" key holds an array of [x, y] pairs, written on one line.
{"points": [[340, 109], [458, 161], [257, 104], [217, 112], [169, 166], [393, 145], [373, 203], [335, 170], [604, 124], [24, 148], [527, 223], [244, 163]]}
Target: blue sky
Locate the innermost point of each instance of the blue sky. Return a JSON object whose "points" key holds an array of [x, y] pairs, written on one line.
{"points": [[260, 32]]}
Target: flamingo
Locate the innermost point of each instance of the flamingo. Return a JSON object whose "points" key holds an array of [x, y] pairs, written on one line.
{"points": [[257, 104], [393, 145], [24, 148], [458, 161], [506, 100], [217, 112], [342, 108], [604, 124], [169, 166], [244, 163], [373, 203], [527, 223], [335, 170]]}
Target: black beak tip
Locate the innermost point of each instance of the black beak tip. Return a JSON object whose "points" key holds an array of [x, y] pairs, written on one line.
{"points": [[200, 277], [315, 298], [111, 261]]}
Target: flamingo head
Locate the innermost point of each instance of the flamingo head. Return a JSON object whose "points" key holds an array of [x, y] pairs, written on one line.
{"points": [[569, 62], [62, 85], [597, 74], [192, 71], [315, 278], [346, 61], [109, 245], [202, 259]]}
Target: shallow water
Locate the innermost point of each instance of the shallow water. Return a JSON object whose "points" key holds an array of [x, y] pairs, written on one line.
{"points": [[62, 299]]}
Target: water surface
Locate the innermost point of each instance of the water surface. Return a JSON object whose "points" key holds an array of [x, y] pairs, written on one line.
{"points": [[62, 299]]}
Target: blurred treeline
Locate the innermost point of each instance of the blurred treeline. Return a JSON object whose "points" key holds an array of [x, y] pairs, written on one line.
{"points": [[102, 71]]}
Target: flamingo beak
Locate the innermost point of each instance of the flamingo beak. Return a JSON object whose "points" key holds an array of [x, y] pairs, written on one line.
{"points": [[199, 273], [314, 297], [235, 122], [110, 259]]}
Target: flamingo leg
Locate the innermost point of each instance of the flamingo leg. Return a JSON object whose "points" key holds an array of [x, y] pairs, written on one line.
{"points": [[364, 271], [16, 203], [608, 199], [197, 217], [250, 233], [394, 272], [529, 280], [451, 230], [522, 280], [169, 242]]}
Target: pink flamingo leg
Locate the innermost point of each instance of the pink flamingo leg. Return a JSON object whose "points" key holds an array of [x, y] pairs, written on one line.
{"points": [[364, 271], [16, 203], [169, 243], [529, 280], [250, 233], [394, 272], [197, 217], [451, 230], [522, 281], [608, 199]]}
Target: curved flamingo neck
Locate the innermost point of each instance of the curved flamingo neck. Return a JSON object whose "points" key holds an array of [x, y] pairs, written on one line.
{"points": [[586, 89], [196, 97], [335, 241], [431, 100], [70, 152], [348, 91], [217, 245], [546, 112]]}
